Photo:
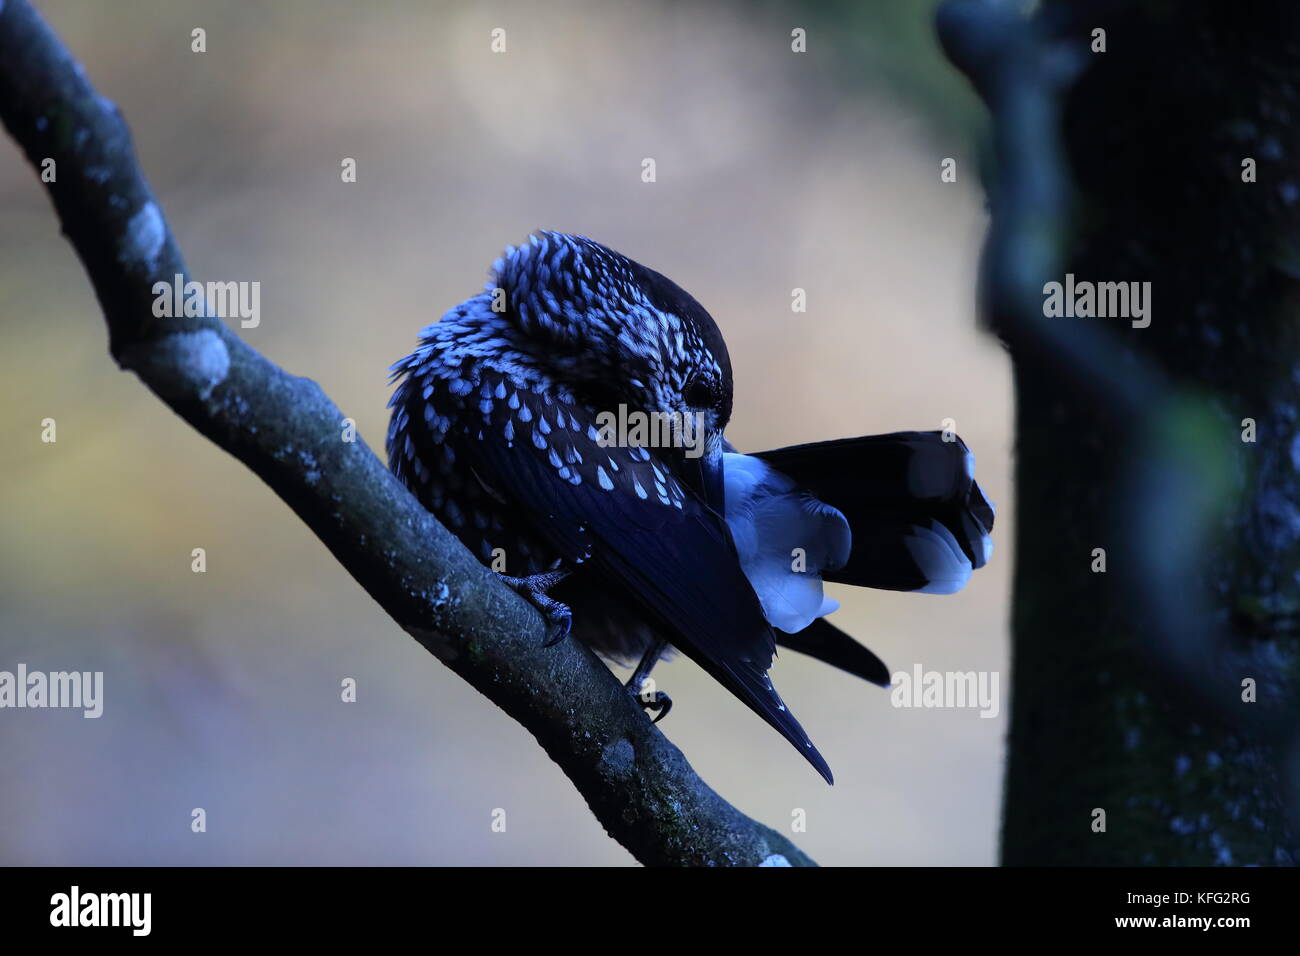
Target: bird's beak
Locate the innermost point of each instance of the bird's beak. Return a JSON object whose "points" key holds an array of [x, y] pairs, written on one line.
{"points": [[714, 487], [704, 474]]}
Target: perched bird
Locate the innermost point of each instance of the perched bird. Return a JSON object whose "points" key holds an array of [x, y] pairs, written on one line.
{"points": [[567, 424]]}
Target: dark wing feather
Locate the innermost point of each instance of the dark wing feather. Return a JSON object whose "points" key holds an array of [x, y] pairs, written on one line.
{"points": [[826, 642], [660, 544], [886, 485]]}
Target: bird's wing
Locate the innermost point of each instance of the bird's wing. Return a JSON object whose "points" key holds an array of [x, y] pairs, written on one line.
{"points": [[623, 510]]}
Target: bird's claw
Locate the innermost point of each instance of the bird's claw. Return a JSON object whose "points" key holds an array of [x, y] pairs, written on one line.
{"points": [[559, 619], [656, 702], [660, 704]]}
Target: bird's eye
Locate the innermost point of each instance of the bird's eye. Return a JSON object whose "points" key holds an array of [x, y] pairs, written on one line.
{"points": [[698, 394]]}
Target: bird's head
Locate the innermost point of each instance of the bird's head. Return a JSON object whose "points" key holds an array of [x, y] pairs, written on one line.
{"points": [[621, 336], [613, 329]]}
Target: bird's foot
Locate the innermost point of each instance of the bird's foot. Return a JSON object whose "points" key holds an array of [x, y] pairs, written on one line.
{"points": [[642, 688], [533, 588], [653, 701]]}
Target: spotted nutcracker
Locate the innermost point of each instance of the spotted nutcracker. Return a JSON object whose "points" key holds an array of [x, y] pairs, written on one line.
{"points": [[502, 426]]}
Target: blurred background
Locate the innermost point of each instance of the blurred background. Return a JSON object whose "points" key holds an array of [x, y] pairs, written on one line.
{"points": [[775, 170]]}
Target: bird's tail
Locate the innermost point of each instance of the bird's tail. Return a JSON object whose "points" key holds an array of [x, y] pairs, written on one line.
{"points": [[918, 519], [826, 642]]}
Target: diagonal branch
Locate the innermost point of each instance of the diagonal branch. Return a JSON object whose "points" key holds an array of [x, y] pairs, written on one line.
{"points": [[288, 432]]}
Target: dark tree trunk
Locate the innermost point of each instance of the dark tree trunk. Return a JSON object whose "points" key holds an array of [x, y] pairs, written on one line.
{"points": [[1128, 684]]}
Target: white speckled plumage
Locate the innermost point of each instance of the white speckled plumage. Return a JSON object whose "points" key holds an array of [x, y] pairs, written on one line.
{"points": [[494, 428]]}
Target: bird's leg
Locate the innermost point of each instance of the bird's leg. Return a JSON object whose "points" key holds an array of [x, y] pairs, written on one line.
{"points": [[533, 589], [656, 701]]}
